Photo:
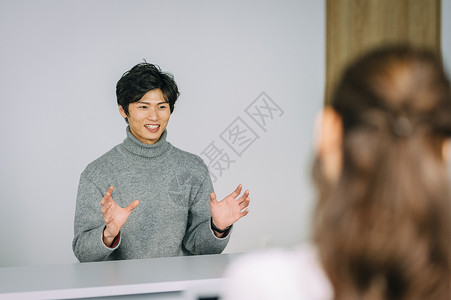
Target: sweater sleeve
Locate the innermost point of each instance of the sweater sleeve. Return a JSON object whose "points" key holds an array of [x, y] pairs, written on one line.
{"points": [[88, 243], [199, 237]]}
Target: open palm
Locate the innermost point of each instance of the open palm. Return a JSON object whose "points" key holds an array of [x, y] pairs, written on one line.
{"points": [[230, 209], [114, 216]]}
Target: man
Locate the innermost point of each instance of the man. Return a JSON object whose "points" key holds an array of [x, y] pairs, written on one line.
{"points": [[146, 198]]}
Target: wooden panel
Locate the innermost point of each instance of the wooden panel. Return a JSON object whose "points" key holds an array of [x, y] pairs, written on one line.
{"points": [[354, 26]]}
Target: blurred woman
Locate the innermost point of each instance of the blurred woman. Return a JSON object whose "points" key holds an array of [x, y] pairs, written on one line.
{"points": [[382, 222]]}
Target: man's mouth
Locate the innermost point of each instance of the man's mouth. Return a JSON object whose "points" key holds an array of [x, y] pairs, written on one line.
{"points": [[152, 126]]}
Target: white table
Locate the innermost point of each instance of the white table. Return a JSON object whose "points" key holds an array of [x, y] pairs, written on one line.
{"points": [[188, 277]]}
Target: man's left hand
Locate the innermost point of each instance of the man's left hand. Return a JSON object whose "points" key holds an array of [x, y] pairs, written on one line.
{"points": [[230, 209]]}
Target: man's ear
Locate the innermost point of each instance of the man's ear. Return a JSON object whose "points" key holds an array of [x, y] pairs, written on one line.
{"points": [[329, 142], [122, 112]]}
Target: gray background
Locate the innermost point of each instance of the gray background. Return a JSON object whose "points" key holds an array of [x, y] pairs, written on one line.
{"points": [[60, 61]]}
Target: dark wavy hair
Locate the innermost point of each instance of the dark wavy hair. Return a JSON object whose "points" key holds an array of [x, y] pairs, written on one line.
{"points": [[142, 78], [383, 229]]}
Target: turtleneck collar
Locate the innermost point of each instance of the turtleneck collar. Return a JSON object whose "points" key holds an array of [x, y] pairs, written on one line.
{"points": [[135, 146]]}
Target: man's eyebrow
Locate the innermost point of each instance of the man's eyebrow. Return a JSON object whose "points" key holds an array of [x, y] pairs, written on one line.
{"points": [[148, 103]]}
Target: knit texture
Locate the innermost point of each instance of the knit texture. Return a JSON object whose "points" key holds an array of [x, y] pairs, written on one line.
{"points": [[173, 217]]}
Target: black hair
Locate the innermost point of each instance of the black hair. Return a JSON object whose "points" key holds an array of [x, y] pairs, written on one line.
{"points": [[142, 78]]}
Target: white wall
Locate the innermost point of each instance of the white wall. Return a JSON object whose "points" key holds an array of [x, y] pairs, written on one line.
{"points": [[60, 61]]}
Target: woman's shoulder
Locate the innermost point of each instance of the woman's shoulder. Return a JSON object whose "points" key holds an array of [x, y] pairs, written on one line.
{"points": [[293, 273]]}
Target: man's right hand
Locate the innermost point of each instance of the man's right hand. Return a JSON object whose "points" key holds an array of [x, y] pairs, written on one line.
{"points": [[114, 216]]}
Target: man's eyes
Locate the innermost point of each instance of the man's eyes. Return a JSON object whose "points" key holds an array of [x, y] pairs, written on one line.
{"points": [[160, 107]]}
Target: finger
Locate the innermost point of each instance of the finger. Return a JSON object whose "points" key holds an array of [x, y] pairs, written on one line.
{"points": [[237, 191], [213, 197], [244, 204], [109, 192], [244, 200], [105, 201], [107, 217], [244, 197], [132, 205], [106, 207], [103, 209], [244, 212], [107, 195]]}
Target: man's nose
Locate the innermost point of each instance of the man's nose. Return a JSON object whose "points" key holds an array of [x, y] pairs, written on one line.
{"points": [[152, 115]]}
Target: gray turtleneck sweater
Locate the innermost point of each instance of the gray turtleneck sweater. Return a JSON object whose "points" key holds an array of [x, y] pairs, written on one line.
{"points": [[173, 217]]}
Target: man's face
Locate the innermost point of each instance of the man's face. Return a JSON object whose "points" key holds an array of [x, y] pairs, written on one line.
{"points": [[148, 117]]}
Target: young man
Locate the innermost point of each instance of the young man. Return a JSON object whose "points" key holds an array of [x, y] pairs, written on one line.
{"points": [[146, 198]]}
